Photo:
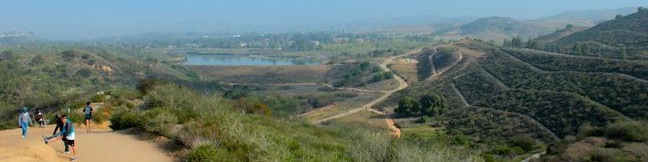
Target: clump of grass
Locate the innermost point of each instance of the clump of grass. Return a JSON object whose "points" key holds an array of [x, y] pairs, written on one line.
{"points": [[210, 153]]}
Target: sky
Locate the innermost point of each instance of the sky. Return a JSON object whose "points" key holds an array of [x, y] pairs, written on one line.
{"points": [[83, 19]]}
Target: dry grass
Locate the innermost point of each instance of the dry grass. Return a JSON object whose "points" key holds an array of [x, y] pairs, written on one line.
{"points": [[384, 85], [343, 106], [263, 74], [366, 118], [405, 69]]}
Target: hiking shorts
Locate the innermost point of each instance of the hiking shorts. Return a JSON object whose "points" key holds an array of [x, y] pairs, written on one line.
{"points": [[69, 142], [88, 117]]}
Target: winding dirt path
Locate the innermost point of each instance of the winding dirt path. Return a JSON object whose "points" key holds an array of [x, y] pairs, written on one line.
{"points": [[97, 146], [441, 71], [402, 85]]}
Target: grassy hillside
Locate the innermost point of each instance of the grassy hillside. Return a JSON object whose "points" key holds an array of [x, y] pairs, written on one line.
{"points": [[44, 77], [623, 37], [546, 41], [210, 128], [499, 28]]}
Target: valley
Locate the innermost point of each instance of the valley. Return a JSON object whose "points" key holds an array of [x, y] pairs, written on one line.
{"points": [[567, 87]]}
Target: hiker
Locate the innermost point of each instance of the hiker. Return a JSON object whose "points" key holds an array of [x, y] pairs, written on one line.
{"points": [[67, 135], [59, 126], [24, 121], [88, 115], [39, 117]]}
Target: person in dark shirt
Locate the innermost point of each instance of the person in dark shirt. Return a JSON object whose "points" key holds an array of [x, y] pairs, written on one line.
{"points": [[87, 110]]}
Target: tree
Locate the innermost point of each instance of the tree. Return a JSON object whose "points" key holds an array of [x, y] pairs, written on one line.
{"points": [[408, 106], [531, 44], [578, 49], [433, 104], [516, 42], [506, 43], [569, 26], [585, 49]]}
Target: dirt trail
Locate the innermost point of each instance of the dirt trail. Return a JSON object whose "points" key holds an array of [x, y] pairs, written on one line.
{"points": [[97, 146], [402, 85], [441, 71], [538, 69]]}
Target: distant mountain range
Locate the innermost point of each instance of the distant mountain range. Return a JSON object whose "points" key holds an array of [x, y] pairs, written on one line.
{"points": [[499, 28]]}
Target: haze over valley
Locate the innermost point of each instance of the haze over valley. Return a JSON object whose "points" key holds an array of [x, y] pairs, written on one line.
{"points": [[378, 80]]}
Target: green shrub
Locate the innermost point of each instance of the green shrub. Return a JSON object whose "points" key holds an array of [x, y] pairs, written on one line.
{"points": [[557, 147], [98, 117], [98, 98], [526, 143], [506, 150], [613, 144], [424, 119], [211, 153], [488, 157], [126, 94], [612, 155], [160, 122], [635, 131], [462, 140], [76, 117], [125, 120]]}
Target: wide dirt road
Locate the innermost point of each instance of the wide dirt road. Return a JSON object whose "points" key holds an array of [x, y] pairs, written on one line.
{"points": [[97, 146], [402, 85]]}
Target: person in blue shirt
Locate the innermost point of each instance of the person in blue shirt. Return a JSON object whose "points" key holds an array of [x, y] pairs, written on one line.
{"points": [[87, 110], [59, 126], [24, 121], [67, 135]]}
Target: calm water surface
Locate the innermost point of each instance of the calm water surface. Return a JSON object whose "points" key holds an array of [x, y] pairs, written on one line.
{"points": [[243, 60]]}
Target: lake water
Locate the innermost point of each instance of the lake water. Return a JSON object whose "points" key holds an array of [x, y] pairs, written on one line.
{"points": [[243, 60]]}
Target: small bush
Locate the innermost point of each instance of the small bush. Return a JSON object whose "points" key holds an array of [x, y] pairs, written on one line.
{"points": [[98, 98], [76, 117], [424, 119], [635, 131], [488, 157], [97, 118], [210, 153], [613, 144], [506, 151], [160, 122], [126, 94], [612, 155], [557, 147], [461, 140], [526, 143], [125, 120]]}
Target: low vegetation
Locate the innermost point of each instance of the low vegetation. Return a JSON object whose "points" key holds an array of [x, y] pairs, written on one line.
{"points": [[356, 74], [213, 127]]}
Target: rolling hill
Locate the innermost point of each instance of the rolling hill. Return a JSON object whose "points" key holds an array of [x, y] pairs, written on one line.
{"points": [[623, 37], [500, 94]]}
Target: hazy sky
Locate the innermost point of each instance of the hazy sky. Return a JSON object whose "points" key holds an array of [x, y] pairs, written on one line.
{"points": [[75, 19]]}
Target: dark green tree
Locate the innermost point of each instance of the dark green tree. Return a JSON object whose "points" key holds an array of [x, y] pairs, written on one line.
{"points": [[408, 106], [432, 104]]}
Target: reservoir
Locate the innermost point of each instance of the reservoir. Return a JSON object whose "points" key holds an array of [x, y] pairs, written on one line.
{"points": [[244, 60]]}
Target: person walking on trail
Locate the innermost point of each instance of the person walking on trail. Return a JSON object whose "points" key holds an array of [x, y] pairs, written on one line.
{"points": [[39, 117], [88, 115], [60, 126], [24, 121], [67, 135]]}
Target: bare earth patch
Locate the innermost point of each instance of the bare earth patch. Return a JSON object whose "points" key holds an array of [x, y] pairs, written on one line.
{"points": [[263, 74]]}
